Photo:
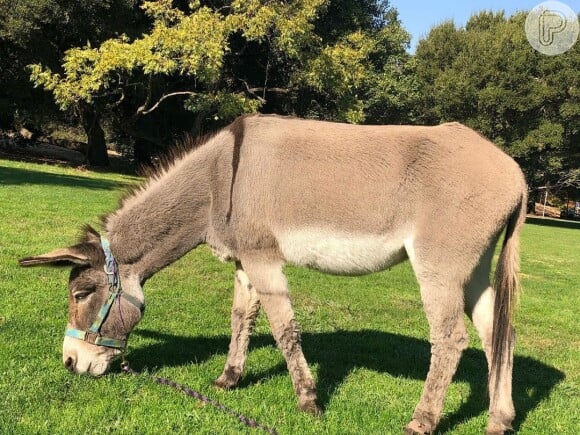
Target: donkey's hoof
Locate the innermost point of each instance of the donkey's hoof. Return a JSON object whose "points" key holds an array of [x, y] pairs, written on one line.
{"points": [[416, 428], [500, 423], [311, 408], [221, 385], [229, 378], [498, 431], [225, 383]]}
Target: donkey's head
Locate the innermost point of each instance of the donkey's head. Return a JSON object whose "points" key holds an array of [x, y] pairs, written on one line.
{"points": [[105, 303]]}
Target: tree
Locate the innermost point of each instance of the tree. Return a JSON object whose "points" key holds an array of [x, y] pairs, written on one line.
{"points": [[365, 76], [41, 31], [236, 57], [488, 76]]}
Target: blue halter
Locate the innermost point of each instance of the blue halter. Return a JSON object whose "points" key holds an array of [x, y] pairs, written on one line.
{"points": [[93, 334]]}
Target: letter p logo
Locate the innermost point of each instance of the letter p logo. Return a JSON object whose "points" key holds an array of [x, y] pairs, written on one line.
{"points": [[551, 23], [552, 28]]}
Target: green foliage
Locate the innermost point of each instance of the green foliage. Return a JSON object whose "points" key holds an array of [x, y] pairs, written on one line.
{"points": [[179, 44], [363, 69], [39, 31], [191, 45], [224, 105], [289, 25], [543, 154], [18, 20], [198, 45], [35, 24], [488, 76], [340, 71]]}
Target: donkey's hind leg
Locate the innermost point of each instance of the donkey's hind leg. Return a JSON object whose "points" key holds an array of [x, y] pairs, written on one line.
{"points": [[244, 312], [479, 303], [442, 296]]}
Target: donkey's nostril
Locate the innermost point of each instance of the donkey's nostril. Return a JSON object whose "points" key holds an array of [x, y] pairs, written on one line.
{"points": [[69, 364]]}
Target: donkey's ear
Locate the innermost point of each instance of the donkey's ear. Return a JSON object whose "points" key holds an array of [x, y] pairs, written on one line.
{"points": [[90, 235], [58, 257]]}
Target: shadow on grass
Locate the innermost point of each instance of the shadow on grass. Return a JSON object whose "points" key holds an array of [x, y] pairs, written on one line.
{"points": [[19, 176], [338, 353], [550, 222]]}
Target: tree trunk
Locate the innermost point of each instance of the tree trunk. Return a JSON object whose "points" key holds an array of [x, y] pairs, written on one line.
{"points": [[96, 144], [146, 145]]}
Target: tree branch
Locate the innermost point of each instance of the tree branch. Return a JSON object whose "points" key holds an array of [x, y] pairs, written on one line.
{"points": [[142, 108], [252, 91], [143, 111], [265, 90]]}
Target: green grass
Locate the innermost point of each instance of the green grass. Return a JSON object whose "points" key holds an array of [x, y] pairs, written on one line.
{"points": [[365, 338]]}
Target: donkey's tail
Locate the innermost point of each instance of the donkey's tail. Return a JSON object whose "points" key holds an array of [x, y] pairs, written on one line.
{"points": [[506, 284]]}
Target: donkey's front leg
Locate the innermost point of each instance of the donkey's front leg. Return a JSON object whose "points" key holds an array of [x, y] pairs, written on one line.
{"points": [[272, 287], [244, 312]]}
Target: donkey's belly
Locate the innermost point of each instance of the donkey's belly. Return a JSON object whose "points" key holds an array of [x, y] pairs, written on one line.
{"points": [[341, 253]]}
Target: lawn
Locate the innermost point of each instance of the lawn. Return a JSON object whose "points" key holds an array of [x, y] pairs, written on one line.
{"points": [[366, 338]]}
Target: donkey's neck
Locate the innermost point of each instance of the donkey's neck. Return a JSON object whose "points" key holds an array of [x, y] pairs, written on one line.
{"points": [[167, 217]]}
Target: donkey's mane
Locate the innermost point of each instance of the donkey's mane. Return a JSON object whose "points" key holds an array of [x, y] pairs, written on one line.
{"points": [[179, 149], [160, 167]]}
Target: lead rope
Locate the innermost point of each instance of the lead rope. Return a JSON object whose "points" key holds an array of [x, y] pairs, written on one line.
{"points": [[196, 395]]}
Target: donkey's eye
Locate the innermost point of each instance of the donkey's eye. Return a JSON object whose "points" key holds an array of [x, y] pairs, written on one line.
{"points": [[82, 295]]}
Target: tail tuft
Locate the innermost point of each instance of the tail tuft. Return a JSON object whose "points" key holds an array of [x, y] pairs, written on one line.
{"points": [[506, 285]]}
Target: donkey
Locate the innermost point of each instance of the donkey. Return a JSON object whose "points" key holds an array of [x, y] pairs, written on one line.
{"points": [[339, 198]]}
